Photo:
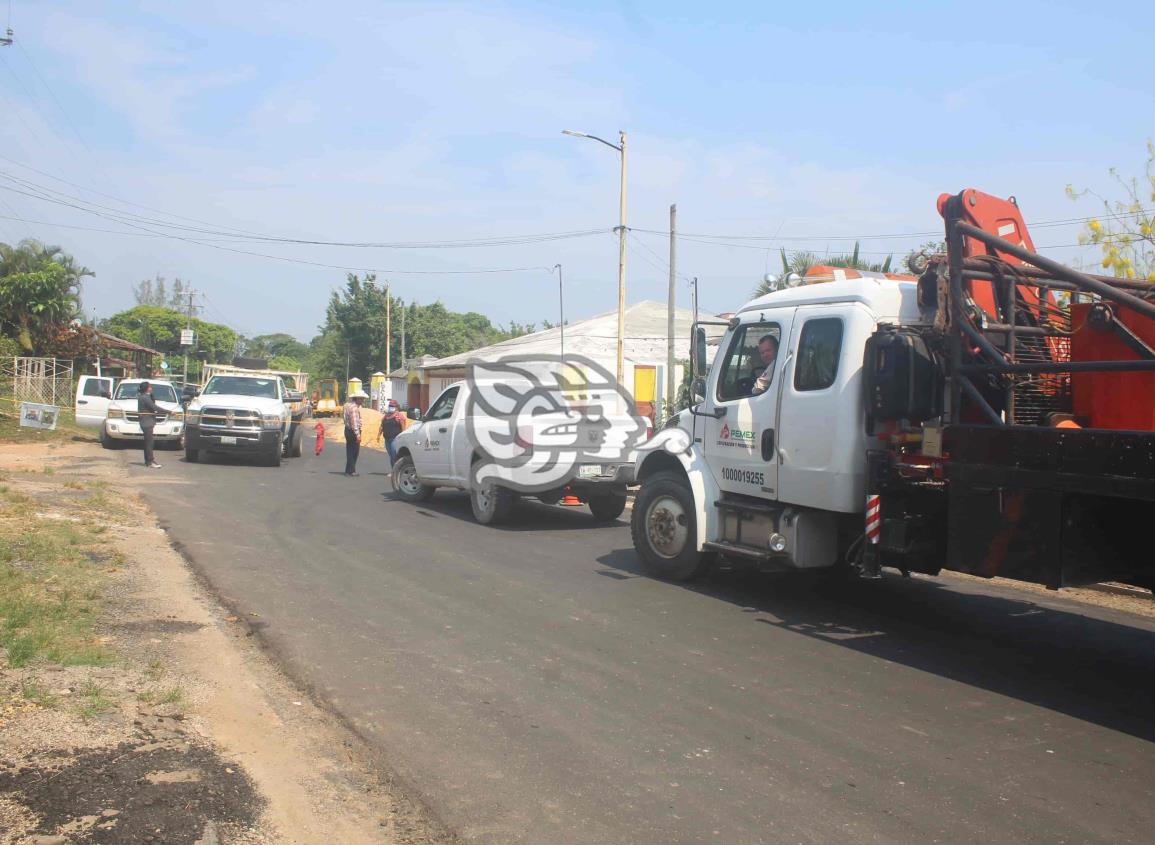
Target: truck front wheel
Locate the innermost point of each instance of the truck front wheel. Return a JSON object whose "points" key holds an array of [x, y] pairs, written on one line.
{"points": [[665, 529], [407, 483]]}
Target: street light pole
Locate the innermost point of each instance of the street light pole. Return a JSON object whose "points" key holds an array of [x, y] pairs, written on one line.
{"points": [[561, 309], [621, 148]]}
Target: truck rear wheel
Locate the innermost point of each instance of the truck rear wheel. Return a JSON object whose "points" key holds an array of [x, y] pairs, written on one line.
{"points": [[407, 484], [607, 507], [295, 440], [665, 529]]}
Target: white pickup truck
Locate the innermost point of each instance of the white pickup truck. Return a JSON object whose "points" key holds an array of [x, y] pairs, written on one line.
{"points": [[455, 439], [122, 422], [244, 414]]}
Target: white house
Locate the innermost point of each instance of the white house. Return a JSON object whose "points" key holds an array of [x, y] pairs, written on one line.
{"points": [[644, 352]]}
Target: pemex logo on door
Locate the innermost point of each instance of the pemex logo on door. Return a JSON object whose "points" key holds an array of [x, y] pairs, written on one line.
{"points": [[735, 436]]}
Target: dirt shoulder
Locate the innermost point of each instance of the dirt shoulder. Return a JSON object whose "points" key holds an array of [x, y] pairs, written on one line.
{"points": [[133, 708]]}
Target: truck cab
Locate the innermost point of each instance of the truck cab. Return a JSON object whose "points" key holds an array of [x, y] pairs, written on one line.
{"points": [[777, 476]]}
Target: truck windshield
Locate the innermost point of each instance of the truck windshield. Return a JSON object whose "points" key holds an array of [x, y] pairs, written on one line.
{"points": [[265, 388], [160, 392]]}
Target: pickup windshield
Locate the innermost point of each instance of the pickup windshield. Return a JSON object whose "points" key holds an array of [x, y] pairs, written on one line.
{"points": [[160, 392], [265, 388]]}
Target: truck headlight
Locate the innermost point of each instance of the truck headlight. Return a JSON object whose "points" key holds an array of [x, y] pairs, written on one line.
{"points": [[115, 414], [272, 421]]}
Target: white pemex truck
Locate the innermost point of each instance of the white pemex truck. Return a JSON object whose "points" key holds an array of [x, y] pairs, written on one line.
{"points": [[994, 415]]}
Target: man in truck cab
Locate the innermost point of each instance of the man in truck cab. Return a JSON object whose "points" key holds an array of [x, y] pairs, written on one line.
{"points": [[768, 350]]}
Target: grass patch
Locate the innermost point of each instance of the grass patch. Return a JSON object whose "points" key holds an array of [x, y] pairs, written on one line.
{"points": [[39, 695], [66, 429], [50, 589], [170, 695], [93, 700]]}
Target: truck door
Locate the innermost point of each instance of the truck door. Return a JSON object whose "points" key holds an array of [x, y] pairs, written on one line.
{"points": [[435, 447], [741, 445], [821, 430], [93, 395]]}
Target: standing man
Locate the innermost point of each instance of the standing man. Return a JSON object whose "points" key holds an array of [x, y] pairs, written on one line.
{"points": [[768, 351], [147, 410], [392, 424], [352, 415]]}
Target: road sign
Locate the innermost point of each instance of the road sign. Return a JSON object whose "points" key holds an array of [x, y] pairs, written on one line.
{"points": [[187, 337]]}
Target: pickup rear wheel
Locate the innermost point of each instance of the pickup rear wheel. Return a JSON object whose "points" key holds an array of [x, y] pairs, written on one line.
{"points": [[407, 483], [665, 529], [295, 440], [491, 502], [607, 507]]}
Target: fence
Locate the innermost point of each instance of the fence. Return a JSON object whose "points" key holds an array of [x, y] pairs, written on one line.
{"points": [[47, 381]]}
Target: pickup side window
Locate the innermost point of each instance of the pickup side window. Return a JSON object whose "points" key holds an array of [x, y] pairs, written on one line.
{"points": [[819, 349], [96, 386], [743, 363], [443, 408]]}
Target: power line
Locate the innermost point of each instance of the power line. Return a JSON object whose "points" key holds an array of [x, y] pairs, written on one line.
{"points": [[128, 218]]}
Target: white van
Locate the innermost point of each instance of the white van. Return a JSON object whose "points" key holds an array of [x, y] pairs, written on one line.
{"points": [[93, 396]]}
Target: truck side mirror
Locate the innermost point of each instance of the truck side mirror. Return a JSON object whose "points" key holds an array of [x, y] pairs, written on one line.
{"points": [[294, 396], [698, 389], [698, 351], [413, 413]]}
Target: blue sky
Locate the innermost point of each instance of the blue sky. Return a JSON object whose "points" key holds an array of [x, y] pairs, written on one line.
{"points": [[375, 121]]}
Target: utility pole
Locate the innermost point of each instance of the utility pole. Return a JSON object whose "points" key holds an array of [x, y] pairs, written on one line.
{"points": [[622, 264], [561, 309], [388, 330], [670, 318], [188, 327], [695, 283], [402, 336]]}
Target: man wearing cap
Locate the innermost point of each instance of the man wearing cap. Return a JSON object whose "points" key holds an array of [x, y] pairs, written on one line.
{"points": [[352, 415]]}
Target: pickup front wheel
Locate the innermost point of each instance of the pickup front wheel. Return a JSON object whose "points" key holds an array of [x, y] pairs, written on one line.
{"points": [[407, 483]]}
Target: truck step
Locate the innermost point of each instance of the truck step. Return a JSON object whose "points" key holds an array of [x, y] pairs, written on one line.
{"points": [[742, 506], [726, 548]]}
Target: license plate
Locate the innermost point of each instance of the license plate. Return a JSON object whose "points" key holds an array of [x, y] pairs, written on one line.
{"points": [[589, 470], [229, 441]]}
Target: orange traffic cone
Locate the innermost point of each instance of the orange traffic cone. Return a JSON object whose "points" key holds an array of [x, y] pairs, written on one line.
{"points": [[570, 500]]}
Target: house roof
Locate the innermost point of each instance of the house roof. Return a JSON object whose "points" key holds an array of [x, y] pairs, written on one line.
{"points": [[111, 341], [645, 338]]}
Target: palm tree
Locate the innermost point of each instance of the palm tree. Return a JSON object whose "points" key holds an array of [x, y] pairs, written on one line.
{"points": [[39, 289], [801, 262]]}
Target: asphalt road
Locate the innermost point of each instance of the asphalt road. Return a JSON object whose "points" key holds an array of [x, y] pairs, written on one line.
{"points": [[531, 686]]}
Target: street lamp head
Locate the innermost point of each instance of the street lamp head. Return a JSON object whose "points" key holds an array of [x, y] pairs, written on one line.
{"points": [[575, 134]]}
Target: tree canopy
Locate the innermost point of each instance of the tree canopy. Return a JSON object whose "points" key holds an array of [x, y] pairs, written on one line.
{"points": [[159, 328], [354, 331], [39, 292], [1125, 233]]}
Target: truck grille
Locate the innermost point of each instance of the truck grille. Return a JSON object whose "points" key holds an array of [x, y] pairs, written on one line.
{"points": [[135, 418], [230, 420]]}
